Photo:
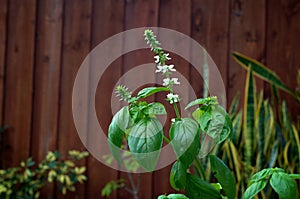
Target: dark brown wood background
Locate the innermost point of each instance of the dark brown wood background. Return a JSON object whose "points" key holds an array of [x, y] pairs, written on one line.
{"points": [[43, 42]]}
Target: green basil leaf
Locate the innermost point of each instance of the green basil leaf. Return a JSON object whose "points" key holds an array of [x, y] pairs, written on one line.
{"points": [[203, 101], [157, 108], [173, 196], [261, 175], [214, 121], [178, 176], [150, 91], [224, 176], [284, 185], [254, 189], [120, 122], [203, 115], [115, 138], [145, 142], [197, 188], [220, 126], [122, 118], [185, 139], [295, 176]]}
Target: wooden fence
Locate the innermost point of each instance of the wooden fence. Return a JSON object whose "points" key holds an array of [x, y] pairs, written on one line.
{"points": [[43, 42]]}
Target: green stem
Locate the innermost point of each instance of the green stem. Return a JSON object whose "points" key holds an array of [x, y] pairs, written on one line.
{"points": [[200, 168], [166, 139], [176, 111]]}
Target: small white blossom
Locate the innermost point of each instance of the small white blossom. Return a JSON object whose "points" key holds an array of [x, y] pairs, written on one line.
{"points": [[175, 81], [164, 69], [156, 59], [166, 82], [173, 120], [166, 56], [172, 98], [171, 68]]}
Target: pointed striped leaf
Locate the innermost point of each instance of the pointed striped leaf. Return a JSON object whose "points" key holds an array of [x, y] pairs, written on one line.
{"points": [[261, 71], [249, 117], [234, 106]]}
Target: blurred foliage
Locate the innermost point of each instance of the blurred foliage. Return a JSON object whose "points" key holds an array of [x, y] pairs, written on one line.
{"points": [[264, 134], [131, 165], [112, 186], [26, 180]]}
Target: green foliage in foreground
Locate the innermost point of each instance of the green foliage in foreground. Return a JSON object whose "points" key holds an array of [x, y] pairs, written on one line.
{"points": [[112, 186], [26, 180], [283, 184], [267, 137], [137, 128]]}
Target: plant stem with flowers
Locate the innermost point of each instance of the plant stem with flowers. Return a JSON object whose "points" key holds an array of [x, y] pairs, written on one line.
{"points": [[137, 126], [160, 59]]}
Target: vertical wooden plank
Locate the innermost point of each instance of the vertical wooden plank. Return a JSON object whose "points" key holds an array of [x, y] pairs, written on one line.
{"points": [[247, 35], [143, 13], [283, 41], [46, 85], [76, 45], [19, 80], [107, 20], [212, 35], [3, 29], [175, 15]]}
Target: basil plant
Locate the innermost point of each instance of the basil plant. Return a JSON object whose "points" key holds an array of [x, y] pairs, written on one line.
{"points": [[135, 128]]}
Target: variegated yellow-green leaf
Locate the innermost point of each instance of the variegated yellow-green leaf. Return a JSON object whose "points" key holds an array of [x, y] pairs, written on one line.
{"points": [[249, 117], [260, 70]]}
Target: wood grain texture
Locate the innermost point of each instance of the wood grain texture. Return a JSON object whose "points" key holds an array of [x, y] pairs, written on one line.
{"points": [[283, 45], [107, 20], [3, 35], [46, 82], [212, 35], [75, 47], [19, 80], [247, 36]]}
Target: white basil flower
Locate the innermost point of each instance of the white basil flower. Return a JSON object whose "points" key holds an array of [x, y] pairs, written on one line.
{"points": [[156, 59], [166, 56], [171, 68], [162, 69], [166, 81], [172, 98], [175, 81]]}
